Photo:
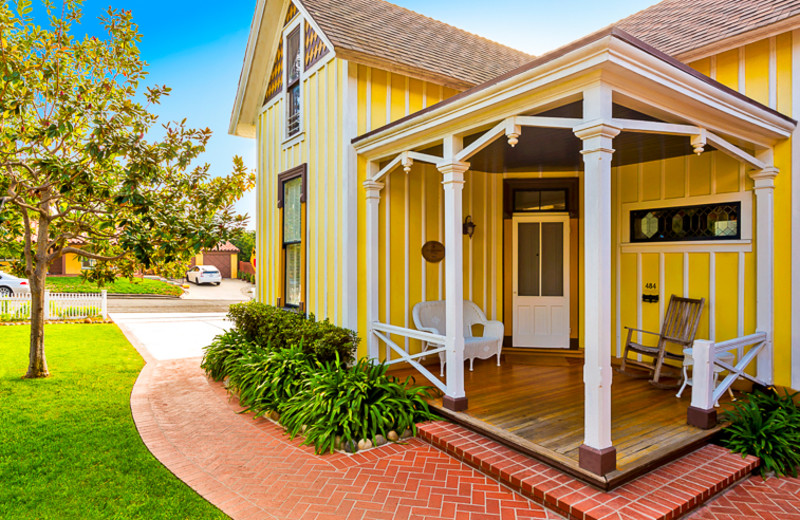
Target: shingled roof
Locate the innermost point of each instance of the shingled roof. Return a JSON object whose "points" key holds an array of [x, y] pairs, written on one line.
{"points": [[383, 33], [679, 26]]}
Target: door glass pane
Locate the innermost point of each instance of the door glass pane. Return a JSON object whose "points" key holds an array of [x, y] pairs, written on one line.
{"points": [[528, 259], [552, 259], [292, 274], [291, 209]]}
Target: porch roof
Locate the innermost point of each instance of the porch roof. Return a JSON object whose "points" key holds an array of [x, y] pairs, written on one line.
{"points": [[644, 80]]}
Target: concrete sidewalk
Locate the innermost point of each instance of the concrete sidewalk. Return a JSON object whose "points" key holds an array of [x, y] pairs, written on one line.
{"points": [[164, 336]]}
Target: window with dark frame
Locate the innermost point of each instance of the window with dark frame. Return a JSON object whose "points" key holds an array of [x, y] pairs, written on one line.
{"points": [[293, 65], [719, 221], [540, 201], [291, 196]]}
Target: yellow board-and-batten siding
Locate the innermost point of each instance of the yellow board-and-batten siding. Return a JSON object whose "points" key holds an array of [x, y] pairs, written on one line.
{"points": [[762, 70]]}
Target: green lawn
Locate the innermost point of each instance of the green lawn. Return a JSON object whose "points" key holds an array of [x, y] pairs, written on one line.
{"points": [[74, 284], [68, 445]]}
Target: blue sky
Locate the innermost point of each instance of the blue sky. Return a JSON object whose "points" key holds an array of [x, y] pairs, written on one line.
{"points": [[197, 48]]}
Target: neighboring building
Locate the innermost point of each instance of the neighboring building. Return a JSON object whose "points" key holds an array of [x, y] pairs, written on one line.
{"points": [[71, 264], [224, 257], [648, 159]]}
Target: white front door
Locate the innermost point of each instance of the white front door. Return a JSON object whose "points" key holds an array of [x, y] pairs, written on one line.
{"points": [[541, 281]]}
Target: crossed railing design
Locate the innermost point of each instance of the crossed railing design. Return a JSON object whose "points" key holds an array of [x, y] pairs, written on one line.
{"points": [[704, 392], [383, 331]]}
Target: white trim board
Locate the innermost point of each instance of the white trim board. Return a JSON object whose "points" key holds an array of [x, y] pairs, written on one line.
{"points": [[795, 214]]}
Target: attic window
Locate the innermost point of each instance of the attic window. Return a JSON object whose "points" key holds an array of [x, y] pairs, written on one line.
{"points": [[293, 64]]}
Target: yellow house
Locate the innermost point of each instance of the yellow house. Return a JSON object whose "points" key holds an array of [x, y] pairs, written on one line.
{"points": [[571, 194]]}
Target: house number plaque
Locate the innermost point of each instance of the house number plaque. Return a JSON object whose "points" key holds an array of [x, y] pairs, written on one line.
{"points": [[433, 251]]}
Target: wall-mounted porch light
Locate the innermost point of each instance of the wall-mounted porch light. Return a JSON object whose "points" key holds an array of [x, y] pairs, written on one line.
{"points": [[469, 226]]}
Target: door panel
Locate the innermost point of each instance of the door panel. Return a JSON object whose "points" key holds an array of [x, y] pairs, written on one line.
{"points": [[541, 281]]}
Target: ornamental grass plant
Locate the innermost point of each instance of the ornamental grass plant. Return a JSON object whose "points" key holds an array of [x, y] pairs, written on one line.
{"points": [[766, 425], [337, 407]]}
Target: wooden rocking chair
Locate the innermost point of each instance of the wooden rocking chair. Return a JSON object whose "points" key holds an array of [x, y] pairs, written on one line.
{"points": [[680, 327]]}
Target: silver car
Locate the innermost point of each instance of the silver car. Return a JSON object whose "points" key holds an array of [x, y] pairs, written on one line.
{"points": [[204, 274], [12, 285]]}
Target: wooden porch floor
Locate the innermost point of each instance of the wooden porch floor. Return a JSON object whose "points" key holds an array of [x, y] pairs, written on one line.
{"points": [[534, 403]]}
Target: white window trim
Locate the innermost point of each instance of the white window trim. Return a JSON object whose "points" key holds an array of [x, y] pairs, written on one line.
{"points": [[745, 222]]}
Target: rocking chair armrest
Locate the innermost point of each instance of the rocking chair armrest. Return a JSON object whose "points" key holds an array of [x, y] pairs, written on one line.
{"points": [[645, 331]]}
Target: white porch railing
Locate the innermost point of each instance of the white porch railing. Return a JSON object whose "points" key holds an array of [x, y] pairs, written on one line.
{"points": [[705, 354], [382, 332], [57, 306]]}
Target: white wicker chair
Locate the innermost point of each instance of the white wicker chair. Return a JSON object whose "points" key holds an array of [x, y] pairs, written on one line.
{"points": [[430, 317]]}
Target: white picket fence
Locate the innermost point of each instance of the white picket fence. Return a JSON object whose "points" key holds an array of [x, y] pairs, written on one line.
{"points": [[58, 306]]}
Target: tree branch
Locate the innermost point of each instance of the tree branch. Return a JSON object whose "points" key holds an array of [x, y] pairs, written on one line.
{"points": [[87, 254]]}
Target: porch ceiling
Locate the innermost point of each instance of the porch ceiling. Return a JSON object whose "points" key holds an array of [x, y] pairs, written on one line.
{"points": [[557, 149], [548, 149]]}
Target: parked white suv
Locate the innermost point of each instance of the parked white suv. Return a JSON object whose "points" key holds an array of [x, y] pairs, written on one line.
{"points": [[12, 285], [204, 274]]}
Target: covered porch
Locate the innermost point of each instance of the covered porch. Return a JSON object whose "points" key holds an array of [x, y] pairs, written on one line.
{"points": [[534, 403], [606, 101]]}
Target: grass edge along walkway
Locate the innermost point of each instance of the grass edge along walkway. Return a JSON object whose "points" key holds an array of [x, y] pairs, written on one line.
{"points": [[68, 444]]}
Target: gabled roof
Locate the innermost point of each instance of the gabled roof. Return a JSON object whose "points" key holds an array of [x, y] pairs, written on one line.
{"points": [[676, 27], [375, 31]]}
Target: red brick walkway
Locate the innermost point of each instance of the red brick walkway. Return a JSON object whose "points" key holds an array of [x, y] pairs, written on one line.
{"points": [[250, 469], [757, 499]]}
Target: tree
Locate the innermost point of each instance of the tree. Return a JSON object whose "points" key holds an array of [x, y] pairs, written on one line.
{"points": [[82, 170], [245, 241]]}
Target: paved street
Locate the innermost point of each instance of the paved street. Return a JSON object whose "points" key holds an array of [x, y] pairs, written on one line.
{"points": [[198, 298]]}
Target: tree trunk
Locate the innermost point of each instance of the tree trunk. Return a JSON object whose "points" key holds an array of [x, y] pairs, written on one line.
{"points": [[37, 364]]}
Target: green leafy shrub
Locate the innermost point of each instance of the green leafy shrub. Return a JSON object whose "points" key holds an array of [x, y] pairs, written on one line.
{"points": [[355, 403], [224, 352], [275, 329], [767, 426]]}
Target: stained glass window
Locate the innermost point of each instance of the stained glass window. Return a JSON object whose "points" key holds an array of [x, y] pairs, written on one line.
{"points": [[687, 223]]}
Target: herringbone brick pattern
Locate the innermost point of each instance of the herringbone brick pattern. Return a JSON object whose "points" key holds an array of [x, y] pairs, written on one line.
{"points": [[250, 469], [756, 499], [663, 494]]}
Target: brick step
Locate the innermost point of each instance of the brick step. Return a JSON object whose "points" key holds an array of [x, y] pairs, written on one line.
{"points": [[666, 493]]}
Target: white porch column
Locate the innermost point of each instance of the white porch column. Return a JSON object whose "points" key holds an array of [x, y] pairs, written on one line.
{"points": [[765, 266], [597, 454], [373, 190], [453, 180]]}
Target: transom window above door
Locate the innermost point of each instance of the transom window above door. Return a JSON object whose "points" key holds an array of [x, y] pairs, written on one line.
{"points": [[539, 201]]}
